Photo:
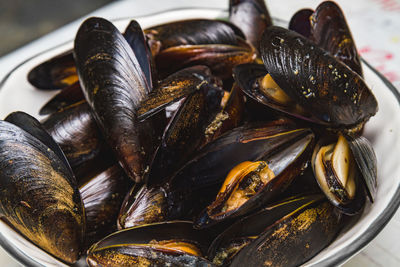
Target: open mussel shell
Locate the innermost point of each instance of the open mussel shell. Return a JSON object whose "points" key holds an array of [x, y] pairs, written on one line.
{"points": [[329, 30], [161, 244], [113, 84], [39, 197], [339, 175], [56, 73], [252, 17], [251, 184], [311, 77], [257, 84], [207, 170], [191, 32], [102, 195], [287, 233], [173, 88]]}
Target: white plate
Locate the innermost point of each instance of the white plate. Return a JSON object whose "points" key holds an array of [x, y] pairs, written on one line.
{"points": [[382, 130]]}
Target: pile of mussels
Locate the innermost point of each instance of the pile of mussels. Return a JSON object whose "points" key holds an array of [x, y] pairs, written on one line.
{"points": [[194, 143]]}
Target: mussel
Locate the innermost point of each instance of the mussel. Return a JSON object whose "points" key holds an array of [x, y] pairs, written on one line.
{"points": [[251, 184], [102, 195], [327, 28], [113, 84], [162, 244], [252, 17], [286, 233], [342, 174], [324, 87], [216, 44], [39, 196]]}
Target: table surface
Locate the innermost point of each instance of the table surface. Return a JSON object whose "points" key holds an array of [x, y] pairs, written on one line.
{"points": [[375, 27]]}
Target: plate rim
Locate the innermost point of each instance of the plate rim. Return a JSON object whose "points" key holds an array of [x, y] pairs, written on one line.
{"points": [[337, 259]]}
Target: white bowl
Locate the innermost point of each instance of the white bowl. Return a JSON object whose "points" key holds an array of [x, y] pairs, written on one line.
{"points": [[382, 130]]}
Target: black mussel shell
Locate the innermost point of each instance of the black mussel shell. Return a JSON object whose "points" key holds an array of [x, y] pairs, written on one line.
{"points": [[207, 170], [136, 39], [39, 131], [191, 32], [173, 88], [220, 58], [231, 115], [38, 194], [250, 185], [56, 73], [76, 132], [143, 205], [252, 17], [365, 158], [329, 30], [68, 96], [300, 22], [102, 196], [161, 244], [310, 76], [113, 84], [185, 132], [287, 233]]}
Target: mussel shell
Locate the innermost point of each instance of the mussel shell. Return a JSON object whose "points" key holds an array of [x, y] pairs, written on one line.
{"points": [[300, 22], [113, 85], [173, 88], [119, 248], [253, 225], [252, 17], [365, 158], [220, 58], [311, 77], [35, 128], [185, 132], [293, 239], [68, 96], [143, 205], [58, 72], [329, 30], [37, 195], [76, 131], [286, 161], [102, 197], [207, 170], [231, 116], [136, 39], [191, 32]]}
